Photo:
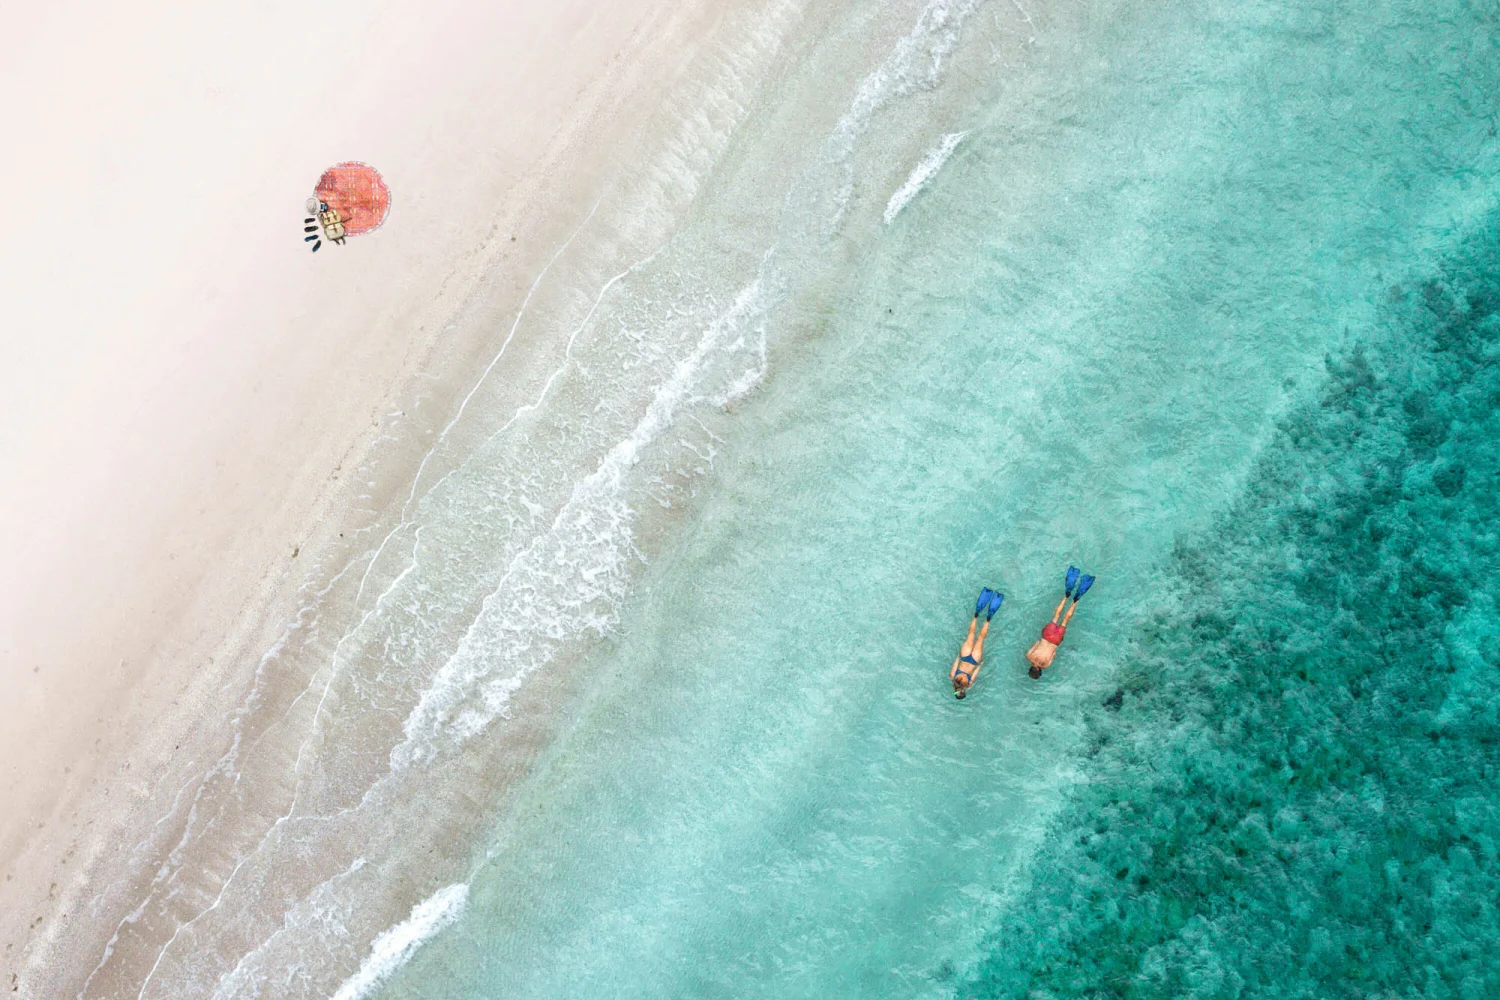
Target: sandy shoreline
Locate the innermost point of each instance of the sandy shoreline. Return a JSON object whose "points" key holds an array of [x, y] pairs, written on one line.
{"points": [[180, 461]]}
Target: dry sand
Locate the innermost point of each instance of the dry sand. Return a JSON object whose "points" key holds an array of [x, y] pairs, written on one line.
{"points": [[185, 387]]}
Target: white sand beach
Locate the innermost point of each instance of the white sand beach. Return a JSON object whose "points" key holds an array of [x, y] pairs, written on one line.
{"points": [[187, 391]]}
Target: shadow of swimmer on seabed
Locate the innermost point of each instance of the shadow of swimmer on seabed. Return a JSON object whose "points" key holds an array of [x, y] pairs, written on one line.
{"points": [[965, 669]]}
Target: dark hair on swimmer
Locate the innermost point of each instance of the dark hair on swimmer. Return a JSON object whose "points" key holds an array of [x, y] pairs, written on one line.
{"points": [[960, 692], [1035, 672]]}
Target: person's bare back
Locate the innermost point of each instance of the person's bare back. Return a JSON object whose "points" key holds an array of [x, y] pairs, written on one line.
{"points": [[1044, 649]]}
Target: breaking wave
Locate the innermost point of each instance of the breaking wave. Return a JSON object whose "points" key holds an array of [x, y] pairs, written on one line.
{"points": [[924, 171], [394, 947]]}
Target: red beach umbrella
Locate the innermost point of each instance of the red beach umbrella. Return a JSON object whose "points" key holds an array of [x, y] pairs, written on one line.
{"points": [[358, 193]]}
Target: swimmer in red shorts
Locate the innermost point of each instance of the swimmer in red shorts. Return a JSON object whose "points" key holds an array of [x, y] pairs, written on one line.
{"points": [[1045, 648]]}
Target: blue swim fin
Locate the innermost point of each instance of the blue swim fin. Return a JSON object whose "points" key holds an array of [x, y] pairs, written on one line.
{"points": [[1083, 586], [996, 599], [1072, 579], [983, 602]]}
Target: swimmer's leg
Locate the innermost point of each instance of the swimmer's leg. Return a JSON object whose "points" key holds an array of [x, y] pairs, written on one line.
{"points": [[978, 649], [968, 645]]}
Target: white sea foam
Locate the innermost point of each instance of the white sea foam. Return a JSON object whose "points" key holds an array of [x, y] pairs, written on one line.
{"points": [[571, 579], [915, 64], [925, 170], [394, 947]]}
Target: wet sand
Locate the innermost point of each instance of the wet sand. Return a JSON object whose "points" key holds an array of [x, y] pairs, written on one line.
{"points": [[189, 393]]}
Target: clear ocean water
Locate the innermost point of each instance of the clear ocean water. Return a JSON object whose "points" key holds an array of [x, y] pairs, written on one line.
{"points": [[1205, 300], [1203, 297]]}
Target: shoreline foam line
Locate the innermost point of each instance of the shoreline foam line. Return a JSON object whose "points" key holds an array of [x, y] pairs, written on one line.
{"points": [[484, 375], [926, 169], [470, 669], [395, 946]]}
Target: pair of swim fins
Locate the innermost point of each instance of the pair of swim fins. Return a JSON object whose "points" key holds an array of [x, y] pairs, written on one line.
{"points": [[1076, 579], [1078, 584]]}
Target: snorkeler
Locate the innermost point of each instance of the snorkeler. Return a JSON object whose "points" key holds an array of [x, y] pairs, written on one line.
{"points": [[1045, 648], [966, 664]]}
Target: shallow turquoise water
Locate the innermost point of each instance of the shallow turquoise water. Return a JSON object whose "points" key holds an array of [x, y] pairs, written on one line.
{"points": [[1099, 336]]}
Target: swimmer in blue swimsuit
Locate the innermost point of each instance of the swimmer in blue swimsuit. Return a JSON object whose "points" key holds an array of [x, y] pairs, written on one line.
{"points": [[966, 664]]}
